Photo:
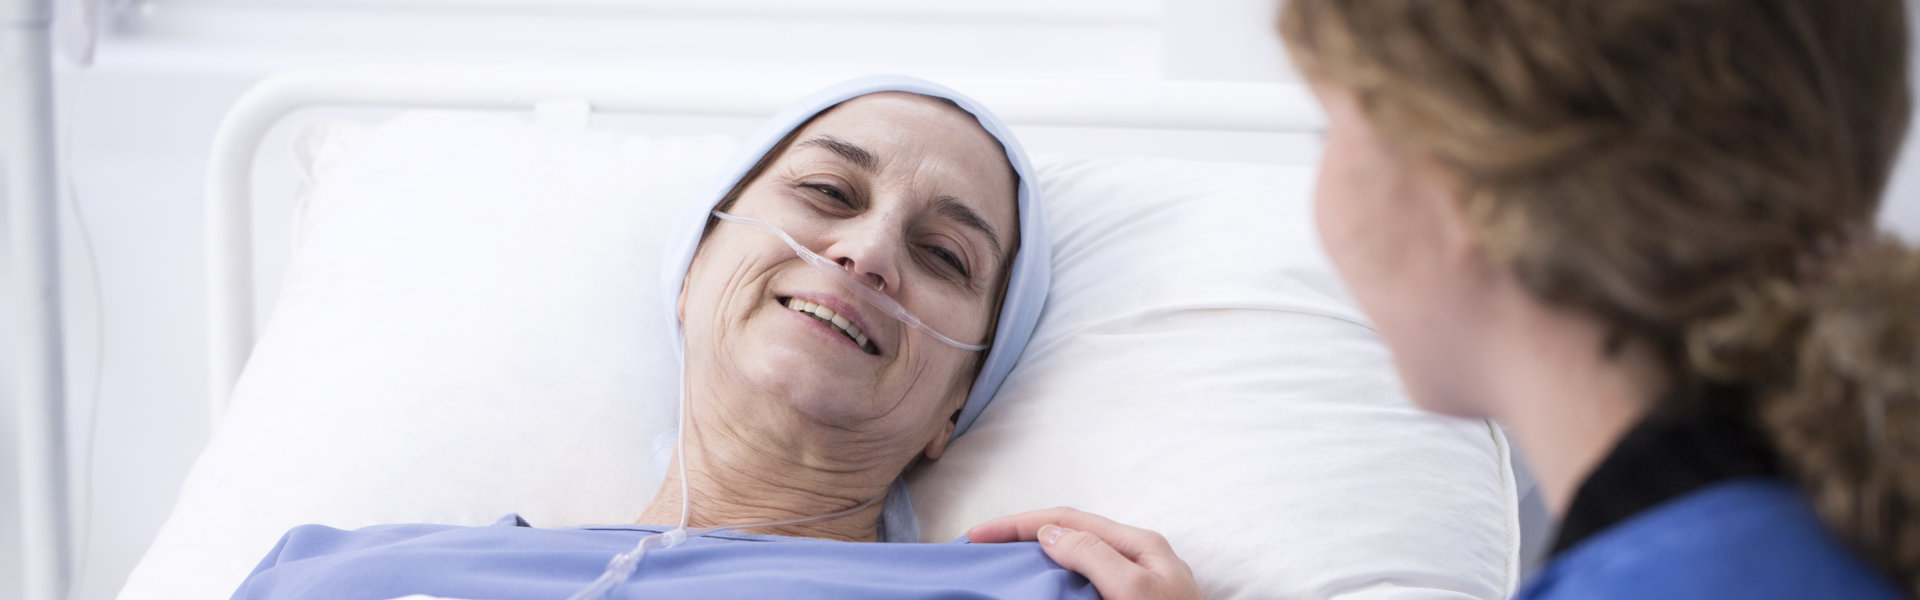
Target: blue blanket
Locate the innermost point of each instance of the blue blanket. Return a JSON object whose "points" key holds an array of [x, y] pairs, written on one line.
{"points": [[512, 561]]}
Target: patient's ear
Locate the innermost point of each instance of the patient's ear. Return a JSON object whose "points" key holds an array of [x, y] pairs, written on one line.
{"points": [[939, 443], [680, 305]]}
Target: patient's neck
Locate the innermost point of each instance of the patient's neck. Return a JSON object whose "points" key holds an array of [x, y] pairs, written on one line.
{"points": [[736, 477]]}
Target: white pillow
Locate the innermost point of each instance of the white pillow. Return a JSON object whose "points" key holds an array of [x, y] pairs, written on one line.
{"points": [[469, 326], [467, 329]]}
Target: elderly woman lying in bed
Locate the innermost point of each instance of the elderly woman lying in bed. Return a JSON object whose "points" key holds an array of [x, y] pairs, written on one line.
{"points": [[829, 304]]}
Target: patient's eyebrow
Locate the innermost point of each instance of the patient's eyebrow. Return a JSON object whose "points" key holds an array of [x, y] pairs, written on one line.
{"points": [[858, 156], [947, 206], [951, 208]]}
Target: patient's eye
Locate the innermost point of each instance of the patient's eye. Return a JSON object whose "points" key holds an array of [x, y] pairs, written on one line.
{"points": [[948, 261], [831, 192], [828, 196]]}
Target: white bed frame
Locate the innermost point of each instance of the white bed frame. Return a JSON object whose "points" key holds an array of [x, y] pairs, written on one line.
{"points": [[1107, 104]]}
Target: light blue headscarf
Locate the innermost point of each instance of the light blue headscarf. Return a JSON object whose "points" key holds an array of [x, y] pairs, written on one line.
{"points": [[1027, 280]]}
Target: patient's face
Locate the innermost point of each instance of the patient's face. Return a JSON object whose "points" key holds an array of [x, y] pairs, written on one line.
{"points": [[1392, 225], [912, 196]]}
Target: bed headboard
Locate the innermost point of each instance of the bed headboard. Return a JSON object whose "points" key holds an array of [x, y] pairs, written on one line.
{"points": [[1225, 107]]}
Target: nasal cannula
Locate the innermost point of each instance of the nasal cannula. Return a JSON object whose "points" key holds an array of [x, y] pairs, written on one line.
{"points": [[623, 565], [840, 275]]}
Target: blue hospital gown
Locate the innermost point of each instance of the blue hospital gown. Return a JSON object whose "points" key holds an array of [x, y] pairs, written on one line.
{"points": [[510, 561]]}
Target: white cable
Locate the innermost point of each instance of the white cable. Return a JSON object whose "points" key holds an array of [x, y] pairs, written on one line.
{"points": [[680, 439], [83, 551]]}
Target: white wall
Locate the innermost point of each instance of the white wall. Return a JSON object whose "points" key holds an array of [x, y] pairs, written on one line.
{"points": [[1901, 211], [143, 115]]}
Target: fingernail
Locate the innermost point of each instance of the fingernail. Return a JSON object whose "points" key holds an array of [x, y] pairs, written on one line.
{"points": [[1051, 533]]}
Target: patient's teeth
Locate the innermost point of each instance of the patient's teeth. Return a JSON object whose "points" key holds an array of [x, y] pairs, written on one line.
{"points": [[823, 313]]}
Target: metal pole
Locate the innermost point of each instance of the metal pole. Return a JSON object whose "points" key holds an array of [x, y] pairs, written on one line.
{"points": [[26, 104]]}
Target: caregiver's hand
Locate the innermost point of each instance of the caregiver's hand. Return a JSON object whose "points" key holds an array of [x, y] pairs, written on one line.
{"points": [[1122, 562]]}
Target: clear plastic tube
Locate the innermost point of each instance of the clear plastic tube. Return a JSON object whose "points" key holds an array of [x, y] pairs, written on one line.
{"points": [[624, 564], [840, 275]]}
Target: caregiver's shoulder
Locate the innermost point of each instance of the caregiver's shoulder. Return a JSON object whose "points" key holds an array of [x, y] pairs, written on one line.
{"points": [[1742, 539], [505, 562]]}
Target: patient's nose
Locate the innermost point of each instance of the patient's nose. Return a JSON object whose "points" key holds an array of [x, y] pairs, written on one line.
{"points": [[878, 281], [869, 253]]}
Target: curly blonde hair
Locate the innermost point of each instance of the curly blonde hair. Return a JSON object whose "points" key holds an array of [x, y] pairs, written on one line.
{"points": [[1700, 175]]}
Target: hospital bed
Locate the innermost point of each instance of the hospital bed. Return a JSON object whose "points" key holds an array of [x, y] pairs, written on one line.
{"points": [[466, 325]]}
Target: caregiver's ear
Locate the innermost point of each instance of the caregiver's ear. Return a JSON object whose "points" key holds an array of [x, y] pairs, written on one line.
{"points": [[1451, 209]]}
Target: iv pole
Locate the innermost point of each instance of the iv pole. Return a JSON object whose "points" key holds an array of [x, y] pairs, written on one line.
{"points": [[26, 109]]}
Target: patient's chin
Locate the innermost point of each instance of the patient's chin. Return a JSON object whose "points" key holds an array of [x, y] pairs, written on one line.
{"points": [[806, 384], [833, 408]]}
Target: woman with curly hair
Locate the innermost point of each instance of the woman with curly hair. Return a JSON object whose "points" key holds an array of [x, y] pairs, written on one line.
{"points": [[1640, 234]]}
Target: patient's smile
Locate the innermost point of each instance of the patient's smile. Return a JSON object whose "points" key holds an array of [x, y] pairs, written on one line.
{"points": [[838, 322]]}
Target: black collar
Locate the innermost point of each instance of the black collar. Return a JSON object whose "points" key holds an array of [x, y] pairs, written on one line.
{"points": [[1668, 454]]}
